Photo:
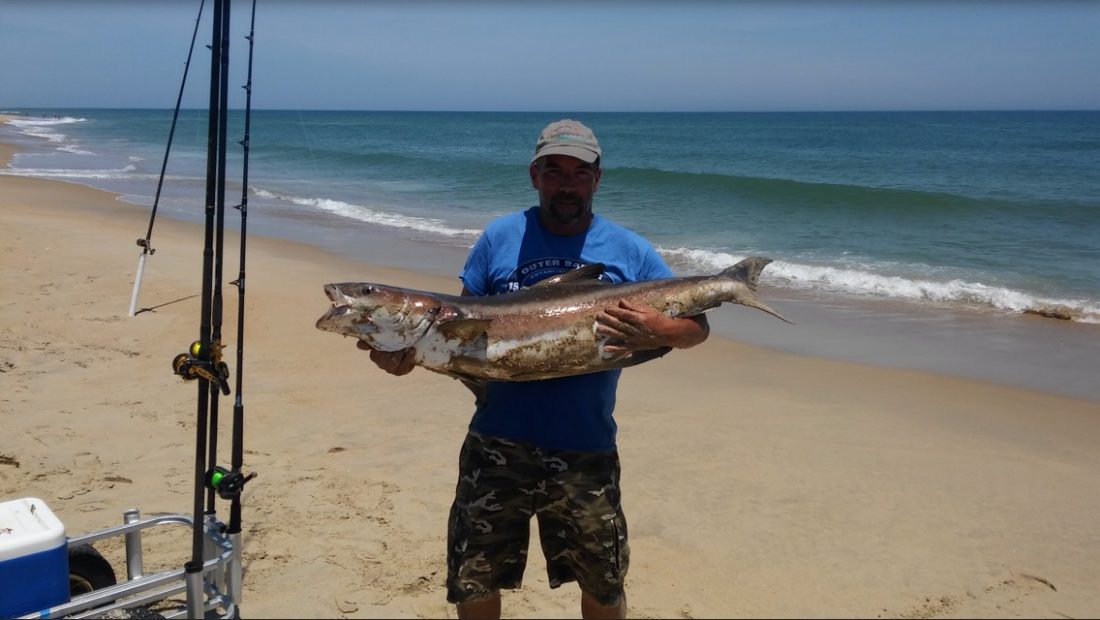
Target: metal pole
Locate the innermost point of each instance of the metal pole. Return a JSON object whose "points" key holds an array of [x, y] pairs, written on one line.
{"points": [[134, 563]]}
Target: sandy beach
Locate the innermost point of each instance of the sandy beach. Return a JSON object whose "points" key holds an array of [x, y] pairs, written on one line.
{"points": [[756, 483]]}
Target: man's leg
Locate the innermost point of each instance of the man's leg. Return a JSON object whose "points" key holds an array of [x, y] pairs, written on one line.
{"points": [[583, 531], [488, 608], [489, 524], [592, 609]]}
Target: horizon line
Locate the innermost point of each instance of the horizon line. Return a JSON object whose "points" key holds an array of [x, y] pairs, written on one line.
{"points": [[20, 110]]}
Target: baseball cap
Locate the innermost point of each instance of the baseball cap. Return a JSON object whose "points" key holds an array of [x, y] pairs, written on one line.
{"points": [[567, 137]]}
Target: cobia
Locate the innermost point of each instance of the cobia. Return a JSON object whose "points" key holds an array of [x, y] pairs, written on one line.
{"points": [[541, 332]]}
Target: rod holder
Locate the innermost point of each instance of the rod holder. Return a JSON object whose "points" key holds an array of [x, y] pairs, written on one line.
{"points": [[135, 568]]}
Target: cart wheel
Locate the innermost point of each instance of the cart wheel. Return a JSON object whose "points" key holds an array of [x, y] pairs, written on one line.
{"points": [[141, 613], [214, 615], [88, 570]]}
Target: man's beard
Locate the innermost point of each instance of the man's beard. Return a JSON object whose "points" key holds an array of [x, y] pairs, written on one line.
{"points": [[569, 210]]}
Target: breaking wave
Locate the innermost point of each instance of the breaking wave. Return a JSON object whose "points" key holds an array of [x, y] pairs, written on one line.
{"points": [[76, 173], [372, 216], [865, 282], [44, 128]]}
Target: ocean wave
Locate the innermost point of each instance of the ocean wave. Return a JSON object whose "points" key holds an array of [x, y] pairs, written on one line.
{"points": [[865, 282], [782, 193], [44, 128], [76, 173], [45, 122], [371, 216], [74, 150], [308, 155]]}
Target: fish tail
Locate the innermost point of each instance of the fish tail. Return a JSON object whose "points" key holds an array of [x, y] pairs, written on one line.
{"points": [[748, 271]]}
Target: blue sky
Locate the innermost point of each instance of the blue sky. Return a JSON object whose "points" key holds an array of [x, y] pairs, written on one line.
{"points": [[583, 56]]}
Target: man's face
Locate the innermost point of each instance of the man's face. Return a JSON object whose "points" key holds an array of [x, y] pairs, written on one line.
{"points": [[566, 186]]}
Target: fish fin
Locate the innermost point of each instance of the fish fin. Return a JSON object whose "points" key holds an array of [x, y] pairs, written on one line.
{"points": [[638, 357], [466, 330], [477, 386], [626, 361], [748, 271], [587, 273]]}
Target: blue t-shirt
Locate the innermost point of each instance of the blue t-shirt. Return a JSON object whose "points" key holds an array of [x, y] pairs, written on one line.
{"points": [[515, 251]]}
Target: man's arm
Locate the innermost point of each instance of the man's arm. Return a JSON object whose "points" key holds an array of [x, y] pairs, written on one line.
{"points": [[632, 327]]}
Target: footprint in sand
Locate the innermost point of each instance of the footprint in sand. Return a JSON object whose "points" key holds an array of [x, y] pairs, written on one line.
{"points": [[1008, 591]]}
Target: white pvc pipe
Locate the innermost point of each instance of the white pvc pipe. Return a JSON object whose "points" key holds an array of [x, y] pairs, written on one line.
{"points": [[137, 283]]}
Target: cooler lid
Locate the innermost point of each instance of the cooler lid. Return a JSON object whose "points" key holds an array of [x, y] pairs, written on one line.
{"points": [[28, 526]]}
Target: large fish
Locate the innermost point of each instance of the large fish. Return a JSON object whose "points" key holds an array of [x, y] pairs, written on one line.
{"points": [[541, 332]]}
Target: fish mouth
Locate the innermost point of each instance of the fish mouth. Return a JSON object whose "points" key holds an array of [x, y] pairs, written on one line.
{"points": [[326, 320], [338, 307], [339, 301], [332, 291]]}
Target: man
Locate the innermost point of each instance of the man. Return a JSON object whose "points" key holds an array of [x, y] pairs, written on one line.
{"points": [[547, 448]]}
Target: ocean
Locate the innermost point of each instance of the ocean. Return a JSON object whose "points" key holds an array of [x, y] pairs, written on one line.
{"points": [[983, 217]]}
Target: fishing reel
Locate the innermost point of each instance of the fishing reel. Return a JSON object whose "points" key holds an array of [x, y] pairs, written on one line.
{"points": [[228, 484], [144, 244], [203, 361]]}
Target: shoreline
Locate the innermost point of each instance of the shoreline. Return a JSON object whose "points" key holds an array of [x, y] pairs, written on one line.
{"points": [[757, 482], [832, 250]]}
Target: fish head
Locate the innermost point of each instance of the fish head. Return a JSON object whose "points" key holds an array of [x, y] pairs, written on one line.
{"points": [[385, 317]]}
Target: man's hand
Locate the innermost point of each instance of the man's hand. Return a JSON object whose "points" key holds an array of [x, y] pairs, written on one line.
{"points": [[635, 327], [396, 363], [630, 327]]}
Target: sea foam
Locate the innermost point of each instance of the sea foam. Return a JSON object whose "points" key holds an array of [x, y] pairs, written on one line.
{"points": [[867, 282]]}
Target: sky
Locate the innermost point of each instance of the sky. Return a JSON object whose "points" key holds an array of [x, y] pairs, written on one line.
{"points": [[521, 55]]}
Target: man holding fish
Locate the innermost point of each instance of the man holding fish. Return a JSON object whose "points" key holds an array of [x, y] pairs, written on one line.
{"points": [[547, 447]]}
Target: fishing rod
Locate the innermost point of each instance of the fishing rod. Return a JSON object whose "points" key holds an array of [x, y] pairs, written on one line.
{"points": [[232, 482], [219, 256], [204, 359], [144, 243]]}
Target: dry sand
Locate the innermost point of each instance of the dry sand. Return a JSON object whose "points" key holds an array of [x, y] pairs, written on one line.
{"points": [[756, 483]]}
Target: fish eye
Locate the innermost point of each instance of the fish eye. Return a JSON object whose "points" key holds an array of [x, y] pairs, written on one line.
{"points": [[366, 290]]}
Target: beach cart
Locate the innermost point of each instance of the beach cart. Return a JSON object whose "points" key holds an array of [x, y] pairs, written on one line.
{"points": [[44, 574]]}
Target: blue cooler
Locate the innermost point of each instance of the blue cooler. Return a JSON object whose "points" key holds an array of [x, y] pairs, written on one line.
{"points": [[34, 559]]}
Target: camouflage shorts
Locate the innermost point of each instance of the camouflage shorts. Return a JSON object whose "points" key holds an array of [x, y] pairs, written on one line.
{"points": [[575, 496]]}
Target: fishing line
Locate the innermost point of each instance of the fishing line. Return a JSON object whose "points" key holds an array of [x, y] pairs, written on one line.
{"points": [[146, 248], [309, 143]]}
